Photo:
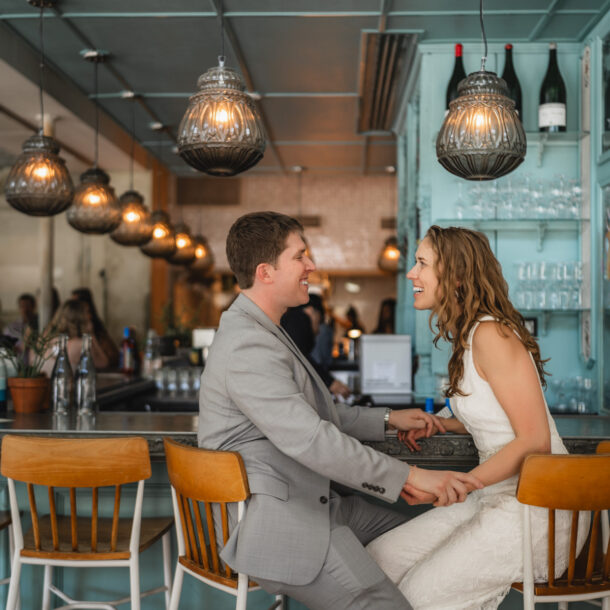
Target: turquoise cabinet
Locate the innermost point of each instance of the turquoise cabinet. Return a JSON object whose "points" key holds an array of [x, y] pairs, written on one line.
{"points": [[533, 218]]}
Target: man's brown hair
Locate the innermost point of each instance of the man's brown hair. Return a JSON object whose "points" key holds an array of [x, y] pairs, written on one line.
{"points": [[259, 237]]}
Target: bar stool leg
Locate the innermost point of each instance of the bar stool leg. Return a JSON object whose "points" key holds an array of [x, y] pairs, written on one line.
{"points": [[167, 566], [13, 588], [176, 588], [134, 579], [46, 587]]}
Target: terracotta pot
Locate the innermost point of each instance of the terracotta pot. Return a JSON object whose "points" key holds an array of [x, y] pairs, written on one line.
{"points": [[29, 394]]}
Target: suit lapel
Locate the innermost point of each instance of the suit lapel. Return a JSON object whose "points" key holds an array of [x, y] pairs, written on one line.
{"points": [[252, 309]]}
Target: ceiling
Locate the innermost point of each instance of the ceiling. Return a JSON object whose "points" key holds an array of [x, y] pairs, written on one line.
{"points": [[303, 59]]}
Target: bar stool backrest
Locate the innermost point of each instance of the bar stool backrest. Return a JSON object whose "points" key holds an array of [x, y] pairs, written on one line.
{"points": [[70, 464], [204, 483], [575, 483]]}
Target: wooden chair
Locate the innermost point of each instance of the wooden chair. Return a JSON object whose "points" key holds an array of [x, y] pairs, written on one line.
{"points": [[63, 466], [575, 483], [206, 481]]}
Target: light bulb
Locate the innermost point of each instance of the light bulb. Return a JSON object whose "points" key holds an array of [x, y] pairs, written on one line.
{"points": [[222, 116], [93, 198], [131, 217], [181, 241], [159, 232], [200, 251], [41, 171]]}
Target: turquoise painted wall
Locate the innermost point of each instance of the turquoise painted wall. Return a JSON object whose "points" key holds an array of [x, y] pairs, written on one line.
{"points": [[437, 195]]}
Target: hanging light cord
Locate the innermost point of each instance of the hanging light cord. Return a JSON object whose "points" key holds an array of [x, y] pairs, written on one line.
{"points": [[41, 70], [484, 58], [133, 141], [97, 118]]}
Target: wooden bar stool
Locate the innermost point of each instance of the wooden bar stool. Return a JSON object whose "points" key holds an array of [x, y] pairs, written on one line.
{"points": [[207, 480], [575, 483], [63, 466]]}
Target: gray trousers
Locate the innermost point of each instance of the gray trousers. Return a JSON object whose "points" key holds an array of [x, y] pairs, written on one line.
{"points": [[354, 523]]}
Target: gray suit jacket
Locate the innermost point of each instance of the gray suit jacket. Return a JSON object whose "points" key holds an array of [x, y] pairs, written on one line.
{"points": [[261, 397]]}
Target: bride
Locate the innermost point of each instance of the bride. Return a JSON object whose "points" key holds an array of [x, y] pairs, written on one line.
{"points": [[466, 556]]}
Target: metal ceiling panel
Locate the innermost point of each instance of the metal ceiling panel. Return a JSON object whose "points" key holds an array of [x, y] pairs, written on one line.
{"points": [[309, 6], [302, 55], [456, 28], [312, 118]]}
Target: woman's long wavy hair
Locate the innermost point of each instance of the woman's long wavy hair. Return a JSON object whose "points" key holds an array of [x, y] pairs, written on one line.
{"points": [[471, 285]]}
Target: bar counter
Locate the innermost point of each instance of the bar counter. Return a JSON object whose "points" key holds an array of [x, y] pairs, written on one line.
{"points": [[581, 433]]}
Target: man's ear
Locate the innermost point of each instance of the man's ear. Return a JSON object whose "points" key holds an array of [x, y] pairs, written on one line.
{"points": [[264, 273]]}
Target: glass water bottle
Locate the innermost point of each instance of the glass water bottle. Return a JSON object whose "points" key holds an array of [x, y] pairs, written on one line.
{"points": [[61, 380], [85, 379]]}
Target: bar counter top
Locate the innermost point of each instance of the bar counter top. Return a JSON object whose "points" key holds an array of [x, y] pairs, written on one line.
{"points": [[581, 433]]}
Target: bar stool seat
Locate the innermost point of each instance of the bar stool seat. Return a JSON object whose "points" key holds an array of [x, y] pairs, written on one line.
{"points": [[152, 529]]}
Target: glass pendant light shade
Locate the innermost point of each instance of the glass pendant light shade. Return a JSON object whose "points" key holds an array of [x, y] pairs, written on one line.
{"points": [[163, 241], [389, 256], [185, 247], [204, 258], [136, 227], [39, 183], [221, 132], [482, 137], [95, 208]]}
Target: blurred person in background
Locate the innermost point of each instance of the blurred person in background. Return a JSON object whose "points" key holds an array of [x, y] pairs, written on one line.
{"points": [[100, 333], [387, 315], [27, 321], [73, 319]]}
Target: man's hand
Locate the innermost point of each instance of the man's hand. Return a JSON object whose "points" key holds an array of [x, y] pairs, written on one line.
{"points": [[410, 437], [416, 419], [413, 496], [446, 486], [338, 388]]}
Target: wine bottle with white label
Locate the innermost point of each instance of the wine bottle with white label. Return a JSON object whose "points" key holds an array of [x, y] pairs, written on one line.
{"points": [[552, 108]]}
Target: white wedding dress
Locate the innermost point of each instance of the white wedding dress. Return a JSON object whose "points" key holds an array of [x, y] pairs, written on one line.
{"points": [[465, 556]]}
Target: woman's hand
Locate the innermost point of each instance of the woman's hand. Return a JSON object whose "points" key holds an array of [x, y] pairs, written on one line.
{"points": [[410, 437]]}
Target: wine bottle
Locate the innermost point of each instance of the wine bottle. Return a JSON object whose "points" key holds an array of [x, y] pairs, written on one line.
{"points": [[607, 103], [457, 75], [552, 108], [512, 82], [85, 379]]}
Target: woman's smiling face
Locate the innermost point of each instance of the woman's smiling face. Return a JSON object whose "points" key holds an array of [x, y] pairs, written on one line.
{"points": [[424, 278]]}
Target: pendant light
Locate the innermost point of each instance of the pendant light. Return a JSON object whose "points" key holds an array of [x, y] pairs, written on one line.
{"points": [[136, 227], [204, 257], [39, 184], [482, 137], [221, 132], [389, 257], [185, 247], [163, 241], [95, 208]]}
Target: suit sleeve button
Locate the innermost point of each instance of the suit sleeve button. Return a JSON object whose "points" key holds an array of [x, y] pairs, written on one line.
{"points": [[382, 490], [323, 499]]}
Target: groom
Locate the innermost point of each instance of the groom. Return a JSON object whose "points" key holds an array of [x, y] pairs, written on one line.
{"points": [[261, 397]]}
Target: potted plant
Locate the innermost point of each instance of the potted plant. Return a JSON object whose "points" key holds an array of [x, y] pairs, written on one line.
{"points": [[29, 386]]}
